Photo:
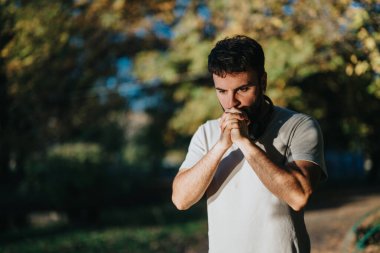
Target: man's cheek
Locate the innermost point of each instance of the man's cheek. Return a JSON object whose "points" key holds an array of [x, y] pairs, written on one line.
{"points": [[221, 105]]}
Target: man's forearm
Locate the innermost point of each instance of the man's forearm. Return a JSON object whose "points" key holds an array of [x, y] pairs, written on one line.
{"points": [[292, 186], [190, 185]]}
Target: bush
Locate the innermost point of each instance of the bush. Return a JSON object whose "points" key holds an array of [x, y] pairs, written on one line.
{"points": [[77, 179], [364, 236], [368, 233]]}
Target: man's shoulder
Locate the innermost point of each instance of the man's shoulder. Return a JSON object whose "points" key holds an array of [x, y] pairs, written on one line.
{"points": [[290, 116], [207, 133], [286, 121], [212, 123], [210, 127]]}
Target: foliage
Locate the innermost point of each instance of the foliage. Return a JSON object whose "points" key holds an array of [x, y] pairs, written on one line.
{"points": [[78, 152], [367, 233], [54, 60], [172, 238], [50, 71], [337, 40], [58, 60], [75, 178], [152, 228], [199, 99]]}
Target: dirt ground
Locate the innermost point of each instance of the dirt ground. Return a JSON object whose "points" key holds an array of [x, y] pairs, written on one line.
{"points": [[333, 213]]}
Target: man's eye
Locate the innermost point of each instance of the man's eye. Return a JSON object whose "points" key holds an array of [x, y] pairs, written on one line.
{"points": [[221, 91], [244, 89]]}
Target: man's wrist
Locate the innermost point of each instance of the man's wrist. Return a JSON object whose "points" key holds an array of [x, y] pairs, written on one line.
{"points": [[243, 142], [222, 146]]}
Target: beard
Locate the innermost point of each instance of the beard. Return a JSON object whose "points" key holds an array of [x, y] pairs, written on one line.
{"points": [[254, 110], [259, 116]]}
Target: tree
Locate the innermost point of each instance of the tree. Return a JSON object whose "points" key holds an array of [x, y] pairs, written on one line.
{"points": [[56, 58], [337, 40]]}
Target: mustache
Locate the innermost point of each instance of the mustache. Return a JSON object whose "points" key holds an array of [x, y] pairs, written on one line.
{"points": [[253, 111], [250, 110]]}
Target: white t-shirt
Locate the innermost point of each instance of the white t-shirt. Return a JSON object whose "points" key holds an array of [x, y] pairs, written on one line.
{"points": [[243, 215]]}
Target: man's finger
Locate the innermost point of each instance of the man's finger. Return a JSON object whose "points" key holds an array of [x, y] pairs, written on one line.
{"points": [[233, 110]]}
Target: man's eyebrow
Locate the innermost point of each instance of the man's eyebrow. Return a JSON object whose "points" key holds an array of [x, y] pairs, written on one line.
{"points": [[245, 86], [240, 87]]}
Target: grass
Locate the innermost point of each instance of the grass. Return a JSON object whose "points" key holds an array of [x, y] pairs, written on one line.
{"points": [[150, 229], [172, 238]]}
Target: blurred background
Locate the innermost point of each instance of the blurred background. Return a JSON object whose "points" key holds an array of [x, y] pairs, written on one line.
{"points": [[99, 100]]}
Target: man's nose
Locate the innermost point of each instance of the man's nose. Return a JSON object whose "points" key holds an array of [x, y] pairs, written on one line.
{"points": [[232, 101]]}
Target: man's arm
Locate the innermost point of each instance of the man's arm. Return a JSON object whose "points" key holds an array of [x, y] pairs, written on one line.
{"points": [[293, 184], [189, 185]]}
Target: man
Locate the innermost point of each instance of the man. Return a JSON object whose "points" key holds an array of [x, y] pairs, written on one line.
{"points": [[258, 163]]}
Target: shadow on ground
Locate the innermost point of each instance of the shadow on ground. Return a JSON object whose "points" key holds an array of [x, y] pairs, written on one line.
{"points": [[338, 194]]}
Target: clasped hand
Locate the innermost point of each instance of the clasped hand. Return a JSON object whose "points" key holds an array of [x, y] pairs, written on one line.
{"points": [[234, 126]]}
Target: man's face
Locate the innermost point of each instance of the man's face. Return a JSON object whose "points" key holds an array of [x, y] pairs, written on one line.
{"points": [[242, 90]]}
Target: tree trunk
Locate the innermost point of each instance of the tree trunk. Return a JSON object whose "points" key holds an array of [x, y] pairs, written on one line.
{"points": [[4, 138]]}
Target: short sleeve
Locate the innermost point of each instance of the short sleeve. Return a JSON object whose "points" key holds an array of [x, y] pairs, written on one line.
{"points": [[197, 149], [307, 143]]}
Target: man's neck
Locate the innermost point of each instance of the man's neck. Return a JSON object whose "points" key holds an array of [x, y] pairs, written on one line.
{"points": [[265, 108], [263, 116]]}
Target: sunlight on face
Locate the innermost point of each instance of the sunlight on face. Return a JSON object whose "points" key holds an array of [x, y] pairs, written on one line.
{"points": [[238, 90]]}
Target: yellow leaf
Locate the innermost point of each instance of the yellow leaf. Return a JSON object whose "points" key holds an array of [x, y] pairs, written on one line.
{"points": [[118, 5], [349, 70], [277, 22], [370, 43], [354, 59], [375, 61], [362, 34], [5, 52], [361, 68]]}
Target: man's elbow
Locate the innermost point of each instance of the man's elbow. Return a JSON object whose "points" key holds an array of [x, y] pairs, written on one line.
{"points": [[299, 201], [179, 204]]}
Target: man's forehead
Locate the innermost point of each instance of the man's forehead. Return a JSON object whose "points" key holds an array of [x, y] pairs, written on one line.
{"points": [[239, 78]]}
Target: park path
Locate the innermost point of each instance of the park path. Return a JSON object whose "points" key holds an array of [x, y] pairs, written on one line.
{"points": [[333, 213]]}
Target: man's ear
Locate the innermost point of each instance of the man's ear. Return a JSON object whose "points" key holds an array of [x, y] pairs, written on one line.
{"points": [[263, 82]]}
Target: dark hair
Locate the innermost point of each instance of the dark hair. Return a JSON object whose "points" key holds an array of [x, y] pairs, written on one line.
{"points": [[237, 54]]}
